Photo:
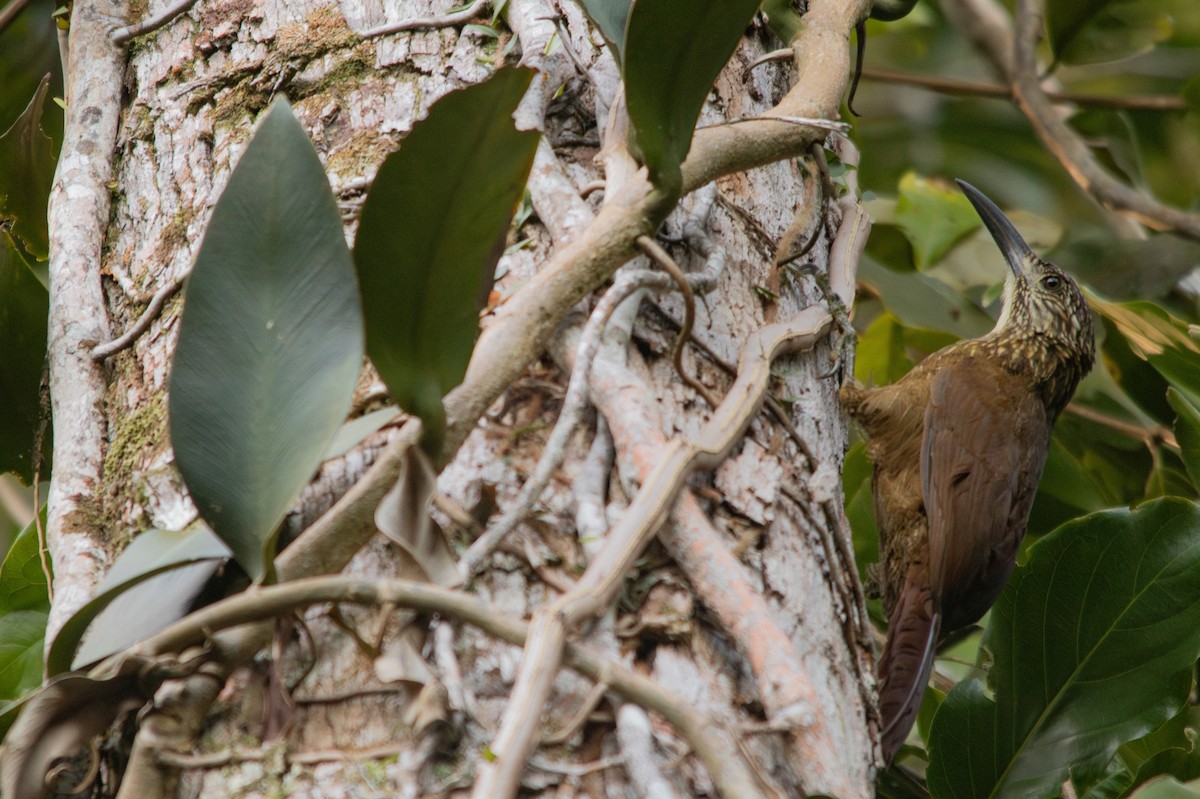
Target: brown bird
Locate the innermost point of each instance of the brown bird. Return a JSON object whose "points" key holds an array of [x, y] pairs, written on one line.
{"points": [[958, 446]]}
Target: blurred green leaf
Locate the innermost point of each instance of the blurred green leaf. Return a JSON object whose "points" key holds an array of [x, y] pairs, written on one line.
{"points": [[1093, 643], [1092, 31], [1168, 788], [933, 216], [431, 231], [610, 17], [921, 301], [151, 584], [880, 358], [674, 50], [26, 172], [24, 305], [270, 343]]}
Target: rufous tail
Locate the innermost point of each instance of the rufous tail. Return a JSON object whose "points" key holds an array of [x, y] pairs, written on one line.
{"points": [[906, 662]]}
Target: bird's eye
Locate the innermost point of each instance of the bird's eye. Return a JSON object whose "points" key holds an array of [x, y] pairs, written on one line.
{"points": [[1051, 282]]}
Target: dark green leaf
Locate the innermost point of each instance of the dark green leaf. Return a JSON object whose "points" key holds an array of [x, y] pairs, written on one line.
{"points": [[24, 305], [1107, 30], [1092, 643], [151, 585], [674, 50], [933, 216], [1066, 18], [1187, 433], [26, 172], [270, 343], [610, 17], [432, 229]]}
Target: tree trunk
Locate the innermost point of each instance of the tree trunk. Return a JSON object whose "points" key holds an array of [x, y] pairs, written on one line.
{"points": [[746, 607]]}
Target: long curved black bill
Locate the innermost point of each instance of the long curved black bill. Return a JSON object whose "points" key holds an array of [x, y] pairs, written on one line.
{"points": [[1016, 251]]}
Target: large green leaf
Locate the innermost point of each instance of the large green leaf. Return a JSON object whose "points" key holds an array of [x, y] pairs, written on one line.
{"points": [[674, 50], [610, 17], [270, 343], [432, 229], [152, 583], [22, 576], [24, 305], [1092, 642], [26, 172]]}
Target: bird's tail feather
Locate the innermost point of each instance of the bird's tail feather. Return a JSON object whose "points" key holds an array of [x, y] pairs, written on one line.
{"points": [[905, 665]]}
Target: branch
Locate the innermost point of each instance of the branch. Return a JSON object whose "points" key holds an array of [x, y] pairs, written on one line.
{"points": [[446, 21], [963, 88], [106, 350], [78, 219], [122, 36], [729, 771], [1069, 147], [11, 12]]}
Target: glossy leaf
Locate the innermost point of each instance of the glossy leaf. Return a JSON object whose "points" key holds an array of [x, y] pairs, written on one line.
{"points": [[934, 217], [610, 17], [24, 305], [152, 583], [26, 172], [432, 229], [270, 343], [1092, 643], [674, 50]]}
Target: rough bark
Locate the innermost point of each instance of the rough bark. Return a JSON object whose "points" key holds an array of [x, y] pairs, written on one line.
{"points": [[371, 723]]}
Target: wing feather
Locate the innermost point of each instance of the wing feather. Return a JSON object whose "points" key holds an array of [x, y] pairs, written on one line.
{"points": [[985, 441]]}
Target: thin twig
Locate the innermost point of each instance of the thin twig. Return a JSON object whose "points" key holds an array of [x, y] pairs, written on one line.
{"points": [[663, 259], [1147, 435], [972, 89], [11, 11], [122, 36], [999, 91], [1069, 147], [446, 21], [109, 348]]}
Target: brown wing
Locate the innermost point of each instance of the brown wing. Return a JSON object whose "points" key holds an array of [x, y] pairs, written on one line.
{"points": [[985, 443]]}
